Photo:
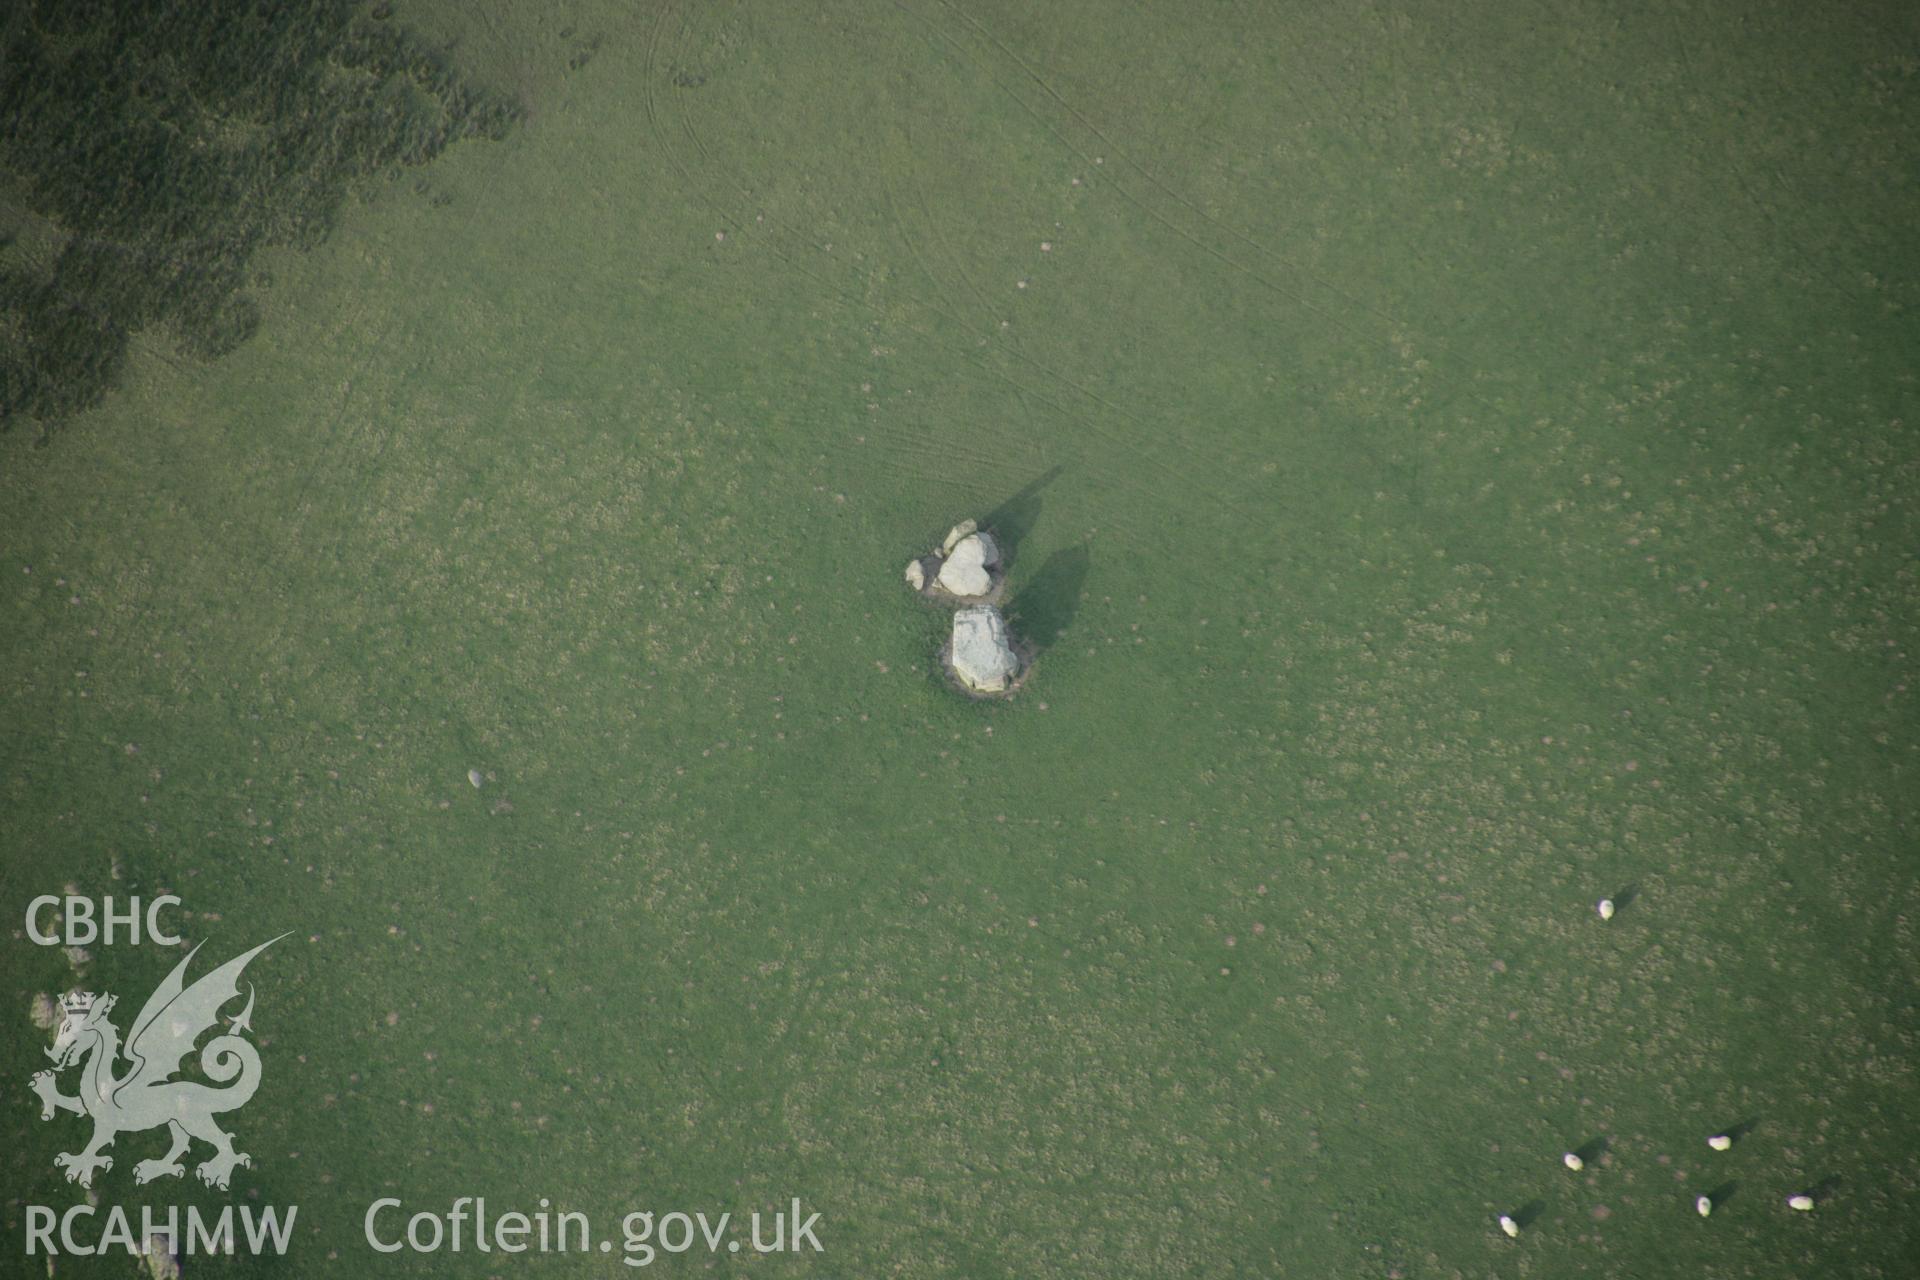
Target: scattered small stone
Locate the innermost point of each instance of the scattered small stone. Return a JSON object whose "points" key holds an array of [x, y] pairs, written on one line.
{"points": [[916, 575], [473, 776], [959, 531]]}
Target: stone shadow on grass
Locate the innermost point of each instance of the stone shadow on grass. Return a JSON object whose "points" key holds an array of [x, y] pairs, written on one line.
{"points": [[1045, 607], [1014, 518]]}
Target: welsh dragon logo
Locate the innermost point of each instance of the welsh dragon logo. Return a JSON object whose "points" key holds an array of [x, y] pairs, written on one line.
{"points": [[145, 1096]]}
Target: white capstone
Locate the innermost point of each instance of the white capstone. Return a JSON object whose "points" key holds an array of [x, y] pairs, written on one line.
{"points": [[956, 533], [968, 570], [982, 655]]}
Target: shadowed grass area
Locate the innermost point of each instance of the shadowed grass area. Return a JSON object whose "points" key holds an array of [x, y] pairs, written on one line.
{"points": [[154, 149], [1463, 465], [1044, 608]]}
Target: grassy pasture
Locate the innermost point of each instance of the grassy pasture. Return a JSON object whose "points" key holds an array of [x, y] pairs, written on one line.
{"points": [[1460, 464]]}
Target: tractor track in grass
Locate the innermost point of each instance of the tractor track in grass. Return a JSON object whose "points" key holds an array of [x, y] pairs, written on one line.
{"points": [[990, 312], [1392, 329], [991, 316], [770, 230], [1238, 268], [919, 259]]}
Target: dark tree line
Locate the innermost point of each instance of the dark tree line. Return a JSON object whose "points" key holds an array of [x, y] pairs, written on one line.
{"points": [[167, 140]]}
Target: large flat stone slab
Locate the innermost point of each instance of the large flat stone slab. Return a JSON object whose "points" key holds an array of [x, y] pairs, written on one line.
{"points": [[982, 656]]}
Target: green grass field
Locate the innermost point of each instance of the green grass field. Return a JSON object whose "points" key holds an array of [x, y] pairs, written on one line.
{"points": [[1460, 464]]}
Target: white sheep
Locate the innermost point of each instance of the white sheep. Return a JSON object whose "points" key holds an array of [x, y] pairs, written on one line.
{"points": [[1605, 908]]}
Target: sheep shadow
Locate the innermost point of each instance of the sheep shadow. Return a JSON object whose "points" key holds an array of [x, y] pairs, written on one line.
{"points": [[1529, 1213], [1045, 607], [1591, 1151]]}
